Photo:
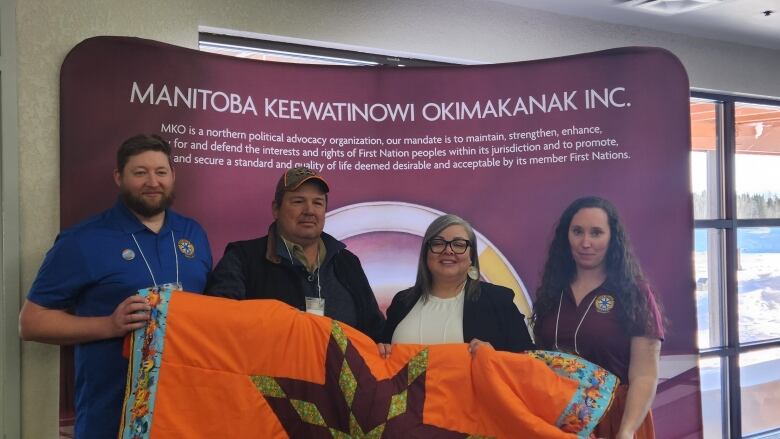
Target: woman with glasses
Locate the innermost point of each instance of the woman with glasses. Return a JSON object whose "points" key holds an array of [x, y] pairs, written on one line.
{"points": [[448, 303], [594, 302]]}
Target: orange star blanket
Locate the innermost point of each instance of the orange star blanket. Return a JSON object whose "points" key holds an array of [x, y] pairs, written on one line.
{"points": [[207, 367]]}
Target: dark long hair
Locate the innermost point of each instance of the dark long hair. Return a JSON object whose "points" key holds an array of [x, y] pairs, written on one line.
{"points": [[624, 276], [424, 283]]}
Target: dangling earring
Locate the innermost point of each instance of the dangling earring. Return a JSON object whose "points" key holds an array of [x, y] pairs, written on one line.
{"points": [[473, 273]]}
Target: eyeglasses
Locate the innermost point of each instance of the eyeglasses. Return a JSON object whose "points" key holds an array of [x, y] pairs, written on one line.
{"points": [[457, 245]]}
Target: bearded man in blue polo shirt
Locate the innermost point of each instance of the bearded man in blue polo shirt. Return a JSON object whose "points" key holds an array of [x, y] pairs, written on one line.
{"points": [[85, 291]]}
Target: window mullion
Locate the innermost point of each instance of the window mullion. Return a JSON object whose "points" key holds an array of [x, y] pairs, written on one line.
{"points": [[727, 127]]}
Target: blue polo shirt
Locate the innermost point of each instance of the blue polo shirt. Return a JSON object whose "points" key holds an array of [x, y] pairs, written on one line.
{"points": [[91, 269]]}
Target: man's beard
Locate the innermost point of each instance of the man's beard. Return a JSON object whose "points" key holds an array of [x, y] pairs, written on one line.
{"points": [[147, 210]]}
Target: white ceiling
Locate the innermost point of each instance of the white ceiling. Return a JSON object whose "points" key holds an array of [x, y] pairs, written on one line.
{"points": [[737, 21]]}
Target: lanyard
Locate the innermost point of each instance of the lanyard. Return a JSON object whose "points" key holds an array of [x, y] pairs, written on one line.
{"points": [[149, 267], [316, 269], [558, 318]]}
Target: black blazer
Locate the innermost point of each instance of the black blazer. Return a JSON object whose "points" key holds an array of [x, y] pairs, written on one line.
{"points": [[493, 317]]}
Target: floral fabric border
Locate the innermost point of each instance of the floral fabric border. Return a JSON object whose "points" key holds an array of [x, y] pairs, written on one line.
{"points": [[593, 397], [146, 346]]}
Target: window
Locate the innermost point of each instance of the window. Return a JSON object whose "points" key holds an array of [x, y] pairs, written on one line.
{"points": [[735, 157], [759, 384], [298, 53]]}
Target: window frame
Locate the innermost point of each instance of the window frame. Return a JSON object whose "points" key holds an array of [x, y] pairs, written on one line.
{"points": [[312, 52], [731, 348]]}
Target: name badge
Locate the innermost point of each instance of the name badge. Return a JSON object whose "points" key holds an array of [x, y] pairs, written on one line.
{"points": [[174, 286], [315, 305]]}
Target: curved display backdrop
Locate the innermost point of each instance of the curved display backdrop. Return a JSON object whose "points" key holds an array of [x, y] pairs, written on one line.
{"points": [[504, 146]]}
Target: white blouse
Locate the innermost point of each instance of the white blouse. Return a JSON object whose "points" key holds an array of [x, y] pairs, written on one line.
{"points": [[434, 321]]}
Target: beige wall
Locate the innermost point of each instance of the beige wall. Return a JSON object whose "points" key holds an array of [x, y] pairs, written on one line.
{"points": [[480, 31]]}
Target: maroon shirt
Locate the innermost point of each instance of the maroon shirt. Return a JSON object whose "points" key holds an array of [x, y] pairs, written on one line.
{"points": [[601, 337]]}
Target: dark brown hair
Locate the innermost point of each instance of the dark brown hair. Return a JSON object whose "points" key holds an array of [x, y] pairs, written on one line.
{"points": [[624, 276], [138, 144]]}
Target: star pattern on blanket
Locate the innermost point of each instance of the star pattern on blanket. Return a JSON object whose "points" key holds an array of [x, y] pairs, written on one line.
{"points": [[352, 403]]}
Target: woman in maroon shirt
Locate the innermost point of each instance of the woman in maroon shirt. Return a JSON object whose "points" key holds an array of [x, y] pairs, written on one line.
{"points": [[594, 302]]}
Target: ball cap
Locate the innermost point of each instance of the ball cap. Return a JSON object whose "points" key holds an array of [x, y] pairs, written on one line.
{"points": [[295, 177]]}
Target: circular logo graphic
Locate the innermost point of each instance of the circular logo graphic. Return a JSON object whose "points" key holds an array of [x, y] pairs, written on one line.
{"points": [[186, 247], [387, 236], [604, 303], [128, 255]]}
